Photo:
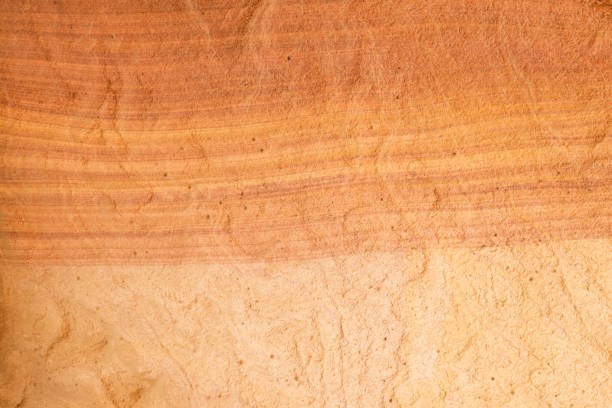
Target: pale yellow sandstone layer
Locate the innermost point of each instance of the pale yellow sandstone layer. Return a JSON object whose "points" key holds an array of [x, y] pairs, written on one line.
{"points": [[518, 326]]}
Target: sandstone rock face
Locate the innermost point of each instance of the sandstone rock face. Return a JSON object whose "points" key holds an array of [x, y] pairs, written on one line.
{"points": [[305, 204]]}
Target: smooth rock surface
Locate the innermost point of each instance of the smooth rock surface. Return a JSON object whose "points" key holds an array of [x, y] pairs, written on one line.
{"points": [[288, 204]]}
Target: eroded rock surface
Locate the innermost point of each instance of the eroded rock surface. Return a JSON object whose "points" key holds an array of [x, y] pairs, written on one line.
{"points": [[290, 204]]}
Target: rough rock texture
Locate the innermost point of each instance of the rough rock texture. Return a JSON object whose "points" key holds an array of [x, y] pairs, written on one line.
{"points": [[305, 203]]}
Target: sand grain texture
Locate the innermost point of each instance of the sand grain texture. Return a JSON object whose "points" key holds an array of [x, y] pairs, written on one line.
{"points": [[321, 203]]}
